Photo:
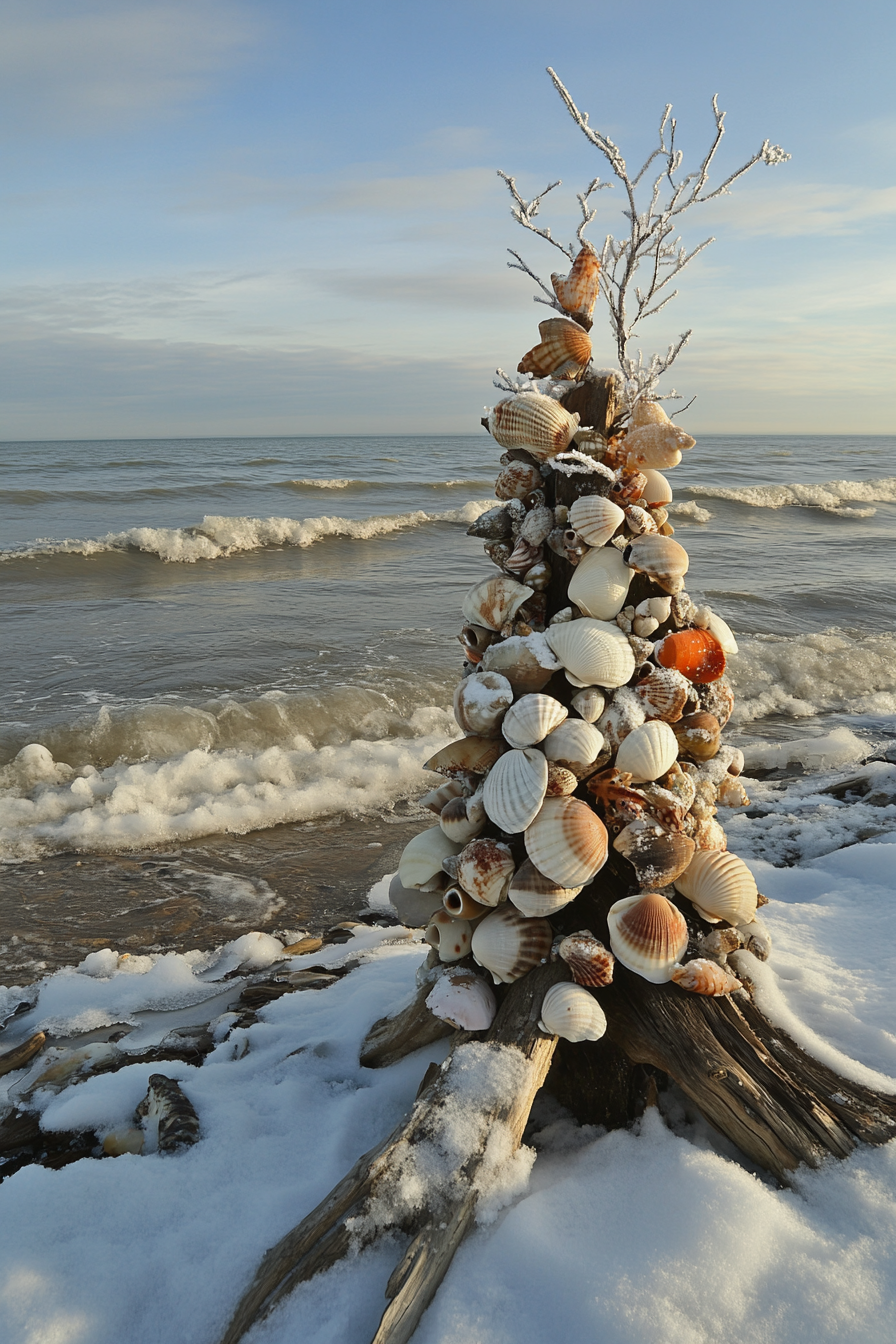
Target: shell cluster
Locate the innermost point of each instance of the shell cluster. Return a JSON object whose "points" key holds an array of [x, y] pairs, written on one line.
{"points": [[592, 703]]}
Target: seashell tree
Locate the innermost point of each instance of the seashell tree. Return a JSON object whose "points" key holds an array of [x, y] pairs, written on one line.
{"points": [[577, 889]]}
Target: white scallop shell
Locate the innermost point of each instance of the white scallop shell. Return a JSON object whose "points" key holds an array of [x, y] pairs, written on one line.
{"points": [[720, 886], [508, 944], [600, 583], [595, 518], [464, 999], [536, 895], [531, 719], [514, 789], [422, 857], [480, 703], [575, 744], [594, 652], [648, 934], [648, 751], [567, 842], [589, 703], [452, 938], [484, 869], [494, 601], [572, 1012], [660, 557]]}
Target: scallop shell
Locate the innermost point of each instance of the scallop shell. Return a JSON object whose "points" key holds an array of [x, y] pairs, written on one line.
{"points": [[484, 869], [460, 905], [664, 560], [508, 944], [531, 719], [590, 962], [492, 602], [720, 886], [589, 703], [450, 937], [534, 422], [648, 751], [696, 654], [663, 693], [648, 934], [578, 291], [464, 999], [514, 789], [600, 583], [466, 756], [414, 908], [563, 352], [516, 481], [480, 703], [573, 1013], [705, 977], [595, 518], [574, 744], [421, 859], [536, 895], [698, 735], [525, 660], [596, 653], [657, 856], [567, 842], [560, 781], [523, 556], [462, 819]]}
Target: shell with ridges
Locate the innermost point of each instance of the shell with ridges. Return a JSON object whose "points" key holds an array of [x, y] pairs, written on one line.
{"points": [[534, 422], [560, 781], [622, 716], [595, 518], [531, 719], [596, 653], [508, 944], [492, 602], [422, 857], [575, 744], [484, 869], [480, 703], [720, 886], [464, 999], [563, 352], [567, 842], [648, 935], [701, 976], [648, 751], [578, 291], [437, 798], [696, 654], [462, 819], [663, 693], [535, 895], [572, 1012], [466, 756], [589, 703], [661, 558], [514, 789], [600, 583], [450, 937], [590, 962], [657, 856], [516, 481]]}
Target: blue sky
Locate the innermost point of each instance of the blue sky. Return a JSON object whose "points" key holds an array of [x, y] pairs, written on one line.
{"points": [[235, 217]]}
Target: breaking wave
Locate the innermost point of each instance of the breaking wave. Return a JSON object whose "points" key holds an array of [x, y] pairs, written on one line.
{"points": [[803, 675], [830, 496]]}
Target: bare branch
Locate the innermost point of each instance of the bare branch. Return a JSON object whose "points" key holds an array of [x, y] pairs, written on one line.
{"points": [[519, 265]]}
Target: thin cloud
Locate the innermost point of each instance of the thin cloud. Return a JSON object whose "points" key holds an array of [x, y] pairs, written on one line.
{"points": [[801, 210], [457, 191]]}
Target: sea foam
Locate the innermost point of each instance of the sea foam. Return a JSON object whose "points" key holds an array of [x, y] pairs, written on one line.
{"points": [[830, 496]]}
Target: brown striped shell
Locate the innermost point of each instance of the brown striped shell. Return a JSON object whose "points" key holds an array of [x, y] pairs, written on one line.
{"points": [[534, 422], [563, 352], [720, 886], [590, 962], [508, 944], [658, 856], [578, 291], [701, 976], [567, 842], [648, 935], [664, 692], [595, 518], [469, 755], [517, 480], [536, 895]]}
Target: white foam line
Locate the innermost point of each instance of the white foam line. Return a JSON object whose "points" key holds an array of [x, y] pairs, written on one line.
{"points": [[828, 496]]}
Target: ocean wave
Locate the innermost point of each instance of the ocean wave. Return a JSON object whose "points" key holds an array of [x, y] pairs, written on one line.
{"points": [[687, 509], [345, 482], [829, 496], [802, 675], [218, 536]]}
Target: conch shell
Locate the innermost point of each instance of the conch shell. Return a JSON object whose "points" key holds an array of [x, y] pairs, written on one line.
{"points": [[578, 291], [564, 351]]}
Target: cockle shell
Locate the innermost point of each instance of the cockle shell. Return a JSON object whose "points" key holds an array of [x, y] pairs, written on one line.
{"points": [[563, 352], [460, 904], [480, 703], [657, 491], [464, 999], [492, 602], [720, 886], [622, 716], [514, 789], [639, 521], [701, 976], [560, 781], [484, 869], [698, 735], [657, 856], [696, 654], [578, 290], [421, 859], [567, 842], [466, 756], [664, 693], [525, 660], [462, 819], [534, 422], [515, 482], [664, 560], [572, 1012], [535, 895], [590, 962], [648, 751], [595, 518], [414, 908], [531, 719], [508, 944], [600, 583], [523, 556], [589, 703], [596, 653], [450, 937], [575, 744], [648, 934]]}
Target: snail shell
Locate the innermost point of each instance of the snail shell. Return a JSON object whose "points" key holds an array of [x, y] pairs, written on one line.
{"points": [[701, 976], [460, 905], [567, 842], [600, 583], [480, 703], [508, 944], [572, 1012], [534, 422], [648, 751], [464, 999], [564, 350], [537, 896], [450, 937], [493, 525], [720, 886], [596, 653], [648, 935], [514, 789], [531, 719]]}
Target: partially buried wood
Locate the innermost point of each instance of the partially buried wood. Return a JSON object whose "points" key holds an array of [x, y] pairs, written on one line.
{"points": [[392, 1038]]}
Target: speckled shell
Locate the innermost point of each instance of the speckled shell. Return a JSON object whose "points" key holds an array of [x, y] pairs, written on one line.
{"points": [[495, 524], [578, 291], [572, 1012], [536, 525], [450, 937], [648, 935], [662, 558], [696, 654], [526, 661], [535, 895], [648, 413], [560, 781], [717, 697], [622, 716], [484, 869], [720, 886], [563, 352], [462, 819], [567, 842], [421, 859], [178, 1123], [648, 751], [595, 518], [657, 856], [600, 583], [589, 703], [705, 977], [414, 908], [464, 999], [466, 756], [514, 789], [664, 693], [657, 491], [596, 653], [531, 719], [590, 962], [480, 703], [508, 944], [575, 744], [517, 480], [655, 446], [492, 602], [534, 422], [698, 735]]}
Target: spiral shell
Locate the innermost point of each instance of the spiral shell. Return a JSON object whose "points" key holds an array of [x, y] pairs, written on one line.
{"points": [[525, 660], [720, 886], [663, 692], [698, 735], [514, 789], [531, 719], [701, 976], [596, 653], [484, 869], [590, 962], [600, 583], [464, 999], [508, 944], [517, 480], [657, 490], [578, 291], [535, 895], [595, 518], [480, 703], [648, 935], [696, 654], [573, 1013], [467, 756], [421, 859], [575, 744], [657, 856], [564, 350], [493, 525], [534, 422], [492, 602], [589, 703], [661, 558], [567, 842], [648, 751], [450, 937]]}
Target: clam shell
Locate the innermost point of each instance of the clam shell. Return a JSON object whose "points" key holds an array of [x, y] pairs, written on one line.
{"points": [[573, 1013], [567, 842], [657, 856], [437, 798], [450, 937], [648, 935], [514, 789], [696, 654], [531, 719], [563, 352], [517, 480], [495, 601], [534, 422], [414, 908], [480, 703], [590, 962], [575, 744], [536, 525], [705, 977], [720, 886], [663, 559], [535, 895], [597, 654], [663, 693], [578, 290], [595, 518], [422, 857], [648, 751], [600, 583], [462, 819], [508, 944], [467, 756], [464, 999], [525, 660], [589, 703], [484, 869], [698, 735]]}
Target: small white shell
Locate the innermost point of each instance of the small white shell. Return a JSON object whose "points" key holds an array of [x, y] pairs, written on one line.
{"points": [[464, 999], [723, 632], [572, 1012], [720, 886], [648, 751], [575, 744], [531, 719], [595, 518], [480, 703], [421, 859], [492, 602], [600, 583], [450, 937], [594, 652], [535, 895], [589, 703], [514, 789], [508, 944]]}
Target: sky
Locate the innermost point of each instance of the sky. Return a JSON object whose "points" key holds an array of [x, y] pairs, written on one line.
{"points": [[269, 217]]}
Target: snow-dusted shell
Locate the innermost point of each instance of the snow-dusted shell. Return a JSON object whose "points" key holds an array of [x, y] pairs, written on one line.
{"points": [[517, 480], [756, 938], [464, 999], [575, 744], [648, 751], [661, 558], [492, 602], [480, 703], [450, 937], [534, 422], [600, 583], [531, 719], [572, 1012], [648, 935], [128, 1139], [723, 633], [578, 291], [595, 518], [536, 525], [647, 412], [701, 976], [657, 856], [563, 352], [589, 703], [657, 491], [717, 697], [622, 716], [590, 962], [560, 781], [664, 692], [698, 735], [655, 445], [696, 654], [467, 756], [536, 895], [508, 944], [414, 908], [421, 859], [720, 886], [484, 869], [596, 653], [525, 660], [567, 842], [514, 789]]}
